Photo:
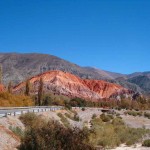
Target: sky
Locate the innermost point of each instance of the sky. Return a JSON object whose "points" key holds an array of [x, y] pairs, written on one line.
{"points": [[111, 35]]}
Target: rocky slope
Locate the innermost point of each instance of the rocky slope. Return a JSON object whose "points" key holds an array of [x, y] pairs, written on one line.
{"points": [[67, 84], [18, 67]]}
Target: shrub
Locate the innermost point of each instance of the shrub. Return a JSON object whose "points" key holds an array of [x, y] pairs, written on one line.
{"points": [[28, 119], [83, 109], [146, 114], [117, 114], [75, 117], [117, 122], [94, 116], [146, 143], [17, 131], [133, 113], [64, 120], [53, 136], [112, 133], [105, 118]]}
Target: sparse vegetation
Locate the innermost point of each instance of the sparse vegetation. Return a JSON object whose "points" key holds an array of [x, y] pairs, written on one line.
{"points": [[18, 131], [42, 135], [105, 118], [73, 117], [146, 143], [28, 119], [64, 120], [94, 116], [146, 114], [111, 132], [11, 100], [134, 113]]}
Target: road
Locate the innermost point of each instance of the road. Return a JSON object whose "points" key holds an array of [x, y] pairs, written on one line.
{"points": [[4, 111]]}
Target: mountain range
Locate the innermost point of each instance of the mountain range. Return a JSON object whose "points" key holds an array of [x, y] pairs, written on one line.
{"points": [[19, 67]]}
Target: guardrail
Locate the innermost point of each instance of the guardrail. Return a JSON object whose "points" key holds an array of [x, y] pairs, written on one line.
{"points": [[4, 112]]}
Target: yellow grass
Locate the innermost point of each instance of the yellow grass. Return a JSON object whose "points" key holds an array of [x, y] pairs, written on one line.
{"points": [[10, 100]]}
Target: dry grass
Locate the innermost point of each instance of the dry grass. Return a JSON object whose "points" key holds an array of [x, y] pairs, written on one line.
{"points": [[10, 100]]}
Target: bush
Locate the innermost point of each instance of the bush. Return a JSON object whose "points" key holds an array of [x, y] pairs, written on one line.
{"points": [[113, 133], [17, 131], [146, 143], [146, 114], [28, 119], [94, 116], [53, 136], [64, 120], [75, 117], [83, 109], [105, 118], [134, 113]]}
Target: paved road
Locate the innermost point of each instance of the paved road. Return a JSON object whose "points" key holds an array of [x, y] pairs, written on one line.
{"points": [[4, 111]]}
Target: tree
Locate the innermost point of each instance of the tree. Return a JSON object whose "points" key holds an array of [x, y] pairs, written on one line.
{"points": [[1, 74], [40, 91], [10, 87], [27, 90]]}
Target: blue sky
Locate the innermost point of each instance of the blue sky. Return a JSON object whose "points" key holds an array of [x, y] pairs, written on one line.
{"points": [[112, 35]]}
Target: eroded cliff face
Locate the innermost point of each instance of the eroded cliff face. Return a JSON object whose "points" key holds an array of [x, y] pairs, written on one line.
{"points": [[106, 89], [70, 85]]}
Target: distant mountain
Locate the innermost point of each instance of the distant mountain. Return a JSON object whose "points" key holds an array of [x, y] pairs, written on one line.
{"points": [[123, 81], [136, 74], [143, 81], [19, 67]]}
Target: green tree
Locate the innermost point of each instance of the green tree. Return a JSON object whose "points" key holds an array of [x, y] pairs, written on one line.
{"points": [[27, 88], [40, 91], [10, 87]]}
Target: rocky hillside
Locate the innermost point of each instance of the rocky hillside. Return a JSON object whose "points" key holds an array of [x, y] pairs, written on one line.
{"points": [[67, 84], [19, 67]]}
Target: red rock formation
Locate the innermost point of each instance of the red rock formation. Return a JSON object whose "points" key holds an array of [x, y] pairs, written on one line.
{"points": [[2, 88], [70, 85]]}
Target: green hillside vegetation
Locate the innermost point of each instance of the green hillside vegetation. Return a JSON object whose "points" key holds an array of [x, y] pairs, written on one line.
{"points": [[11, 100]]}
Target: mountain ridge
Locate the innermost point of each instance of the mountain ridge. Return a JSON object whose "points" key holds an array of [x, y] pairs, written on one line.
{"points": [[21, 66]]}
